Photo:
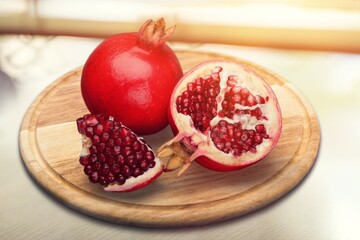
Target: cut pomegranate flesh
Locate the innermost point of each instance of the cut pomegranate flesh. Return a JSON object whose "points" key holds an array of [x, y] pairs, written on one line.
{"points": [[225, 116], [114, 156]]}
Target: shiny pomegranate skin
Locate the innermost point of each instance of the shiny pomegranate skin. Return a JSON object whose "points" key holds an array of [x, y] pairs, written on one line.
{"points": [[131, 82]]}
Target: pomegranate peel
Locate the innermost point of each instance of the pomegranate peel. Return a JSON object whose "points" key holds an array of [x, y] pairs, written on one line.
{"points": [[114, 156], [130, 76], [224, 116]]}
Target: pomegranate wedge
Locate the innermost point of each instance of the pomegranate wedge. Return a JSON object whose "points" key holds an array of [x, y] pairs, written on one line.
{"points": [[113, 156]]}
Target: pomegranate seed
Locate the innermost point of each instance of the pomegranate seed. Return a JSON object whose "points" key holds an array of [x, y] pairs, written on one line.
{"points": [[178, 100], [102, 118], [206, 94], [126, 171], [87, 170], [244, 92], [124, 132], [81, 125], [105, 169], [236, 98], [138, 156], [144, 165], [104, 136], [101, 158], [95, 166], [127, 141], [251, 100], [250, 141], [244, 136], [100, 147], [108, 125], [213, 92], [137, 172], [84, 161], [260, 128], [150, 155], [151, 164], [259, 99], [110, 160], [221, 114], [190, 87], [251, 133], [219, 145], [199, 81], [136, 146], [94, 177], [224, 104], [110, 178], [258, 139], [107, 151], [91, 120], [130, 161], [93, 149], [102, 180], [246, 147], [116, 150], [94, 158], [118, 141], [120, 159], [216, 70], [232, 80], [256, 113], [186, 94], [98, 129], [110, 143], [126, 151], [120, 179], [95, 139], [89, 131], [235, 90], [115, 133]]}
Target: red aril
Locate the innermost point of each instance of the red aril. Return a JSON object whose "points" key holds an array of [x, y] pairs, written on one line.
{"points": [[113, 156], [225, 117], [130, 76]]}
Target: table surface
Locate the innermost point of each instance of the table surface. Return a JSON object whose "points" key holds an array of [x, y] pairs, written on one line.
{"points": [[324, 206]]}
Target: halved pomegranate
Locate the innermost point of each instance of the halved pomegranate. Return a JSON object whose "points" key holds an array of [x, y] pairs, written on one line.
{"points": [[114, 156], [225, 117]]}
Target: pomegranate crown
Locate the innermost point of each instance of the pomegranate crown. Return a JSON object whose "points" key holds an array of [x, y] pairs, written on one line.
{"points": [[153, 34]]}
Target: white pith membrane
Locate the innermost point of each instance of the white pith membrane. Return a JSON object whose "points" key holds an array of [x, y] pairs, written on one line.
{"points": [[131, 183], [202, 142]]}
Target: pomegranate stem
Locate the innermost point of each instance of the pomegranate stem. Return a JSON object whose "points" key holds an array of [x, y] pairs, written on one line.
{"points": [[152, 34]]}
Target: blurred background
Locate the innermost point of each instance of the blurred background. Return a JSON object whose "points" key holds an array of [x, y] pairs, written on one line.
{"points": [[301, 24]]}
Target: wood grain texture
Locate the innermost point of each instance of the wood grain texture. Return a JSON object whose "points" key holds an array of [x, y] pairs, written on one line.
{"points": [[50, 147]]}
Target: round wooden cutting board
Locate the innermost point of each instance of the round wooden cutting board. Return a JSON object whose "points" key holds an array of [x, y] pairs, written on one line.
{"points": [[50, 147]]}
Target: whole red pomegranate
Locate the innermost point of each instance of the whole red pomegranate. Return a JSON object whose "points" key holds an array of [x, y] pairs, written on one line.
{"points": [[114, 156], [225, 117], [130, 76]]}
